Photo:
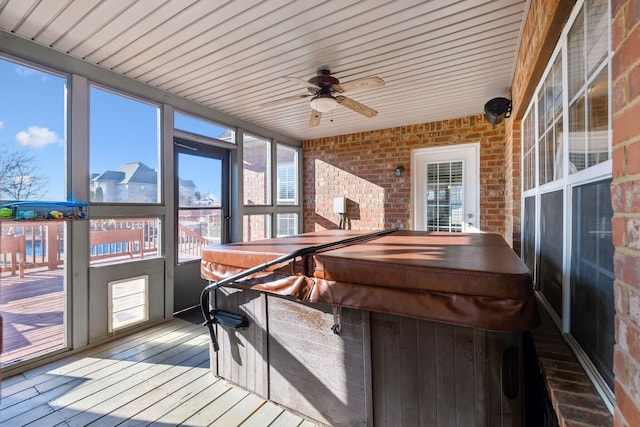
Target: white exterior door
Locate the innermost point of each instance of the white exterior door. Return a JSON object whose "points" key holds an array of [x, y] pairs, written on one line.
{"points": [[445, 188]]}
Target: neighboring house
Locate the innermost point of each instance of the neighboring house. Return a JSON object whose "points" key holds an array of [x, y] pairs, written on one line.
{"points": [[132, 181]]}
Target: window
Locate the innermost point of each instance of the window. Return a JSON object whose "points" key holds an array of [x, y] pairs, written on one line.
{"points": [[549, 271], [287, 175], [196, 126], [116, 240], [566, 200], [270, 168], [287, 224], [257, 171], [592, 308], [32, 129], [588, 76], [444, 196], [550, 125], [256, 227], [33, 254], [124, 156], [201, 190]]}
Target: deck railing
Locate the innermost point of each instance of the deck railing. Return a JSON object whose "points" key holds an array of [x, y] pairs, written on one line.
{"points": [[44, 242]]}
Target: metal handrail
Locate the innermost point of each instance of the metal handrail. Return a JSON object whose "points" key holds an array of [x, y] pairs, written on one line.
{"points": [[204, 295]]}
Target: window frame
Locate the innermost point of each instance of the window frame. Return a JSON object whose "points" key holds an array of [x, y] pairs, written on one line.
{"points": [[566, 183], [274, 208], [160, 191]]}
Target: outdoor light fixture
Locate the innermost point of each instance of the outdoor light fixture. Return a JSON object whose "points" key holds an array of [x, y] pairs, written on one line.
{"points": [[399, 171], [497, 109], [323, 103]]}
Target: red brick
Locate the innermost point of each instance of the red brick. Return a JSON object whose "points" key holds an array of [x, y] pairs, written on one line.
{"points": [[619, 93], [633, 13], [618, 227], [619, 161], [624, 196], [621, 299], [620, 366], [626, 124], [626, 54], [627, 269], [366, 161], [628, 408], [618, 27], [634, 82], [633, 158]]}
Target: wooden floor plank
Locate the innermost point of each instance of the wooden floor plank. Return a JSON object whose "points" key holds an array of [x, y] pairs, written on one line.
{"points": [[240, 412], [287, 419], [163, 411], [265, 415], [135, 408], [121, 377], [117, 396], [211, 412], [188, 408], [160, 377]]}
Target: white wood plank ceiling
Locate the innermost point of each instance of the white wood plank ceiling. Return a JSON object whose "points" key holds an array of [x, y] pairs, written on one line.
{"points": [[440, 59]]}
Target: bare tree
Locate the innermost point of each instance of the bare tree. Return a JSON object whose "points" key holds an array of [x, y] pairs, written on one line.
{"points": [[18, 178]]}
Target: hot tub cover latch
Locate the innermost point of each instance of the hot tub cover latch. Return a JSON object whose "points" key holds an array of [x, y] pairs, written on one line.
{"points": [[337, 319]]}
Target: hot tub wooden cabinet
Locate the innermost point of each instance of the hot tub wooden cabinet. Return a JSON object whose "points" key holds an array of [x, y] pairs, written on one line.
{"points": [[430, 328]]}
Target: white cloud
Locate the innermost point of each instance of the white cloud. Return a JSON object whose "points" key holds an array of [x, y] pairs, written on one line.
{"points": [[27, 71], [37, 137], [1, 124]]}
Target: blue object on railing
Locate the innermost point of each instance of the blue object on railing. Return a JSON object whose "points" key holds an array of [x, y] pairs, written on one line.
{"points": [[44, 210]]}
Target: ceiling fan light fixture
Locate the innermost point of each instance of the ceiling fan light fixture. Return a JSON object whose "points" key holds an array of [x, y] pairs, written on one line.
{"points": [[324, 104]]}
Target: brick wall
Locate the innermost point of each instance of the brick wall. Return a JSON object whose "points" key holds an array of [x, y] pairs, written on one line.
{"points": [[513, 187], [360, 167], [625, 195]]}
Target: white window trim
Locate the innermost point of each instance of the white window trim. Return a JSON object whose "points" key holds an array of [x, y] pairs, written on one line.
{"points": [[566, 183]]}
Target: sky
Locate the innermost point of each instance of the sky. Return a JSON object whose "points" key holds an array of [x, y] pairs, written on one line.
{"points": [[121, 130]]}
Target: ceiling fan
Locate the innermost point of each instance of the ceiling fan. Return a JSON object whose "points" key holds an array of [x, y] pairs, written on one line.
{"points": [[323, 89]]}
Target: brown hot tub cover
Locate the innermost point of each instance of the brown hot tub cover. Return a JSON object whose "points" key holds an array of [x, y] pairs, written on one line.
{"points": [[467, 279]]}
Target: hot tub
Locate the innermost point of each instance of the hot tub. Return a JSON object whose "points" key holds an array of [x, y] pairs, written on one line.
{"points": [[406, 328]]}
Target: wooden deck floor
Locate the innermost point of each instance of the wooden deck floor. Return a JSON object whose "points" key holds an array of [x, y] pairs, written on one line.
{"points": [[159, 376], [32, 310]]}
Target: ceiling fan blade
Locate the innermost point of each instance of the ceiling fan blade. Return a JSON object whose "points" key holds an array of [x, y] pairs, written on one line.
{"points": [[302, 82], [314, 120], [286, 99], [364, 83], [356, 106]]}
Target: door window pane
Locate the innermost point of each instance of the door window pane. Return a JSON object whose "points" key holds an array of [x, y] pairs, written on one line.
{"points": [[256, 171], [444, 196], [287, 224], [592, 276], [551, 240], [200, 196], [124, 157]]}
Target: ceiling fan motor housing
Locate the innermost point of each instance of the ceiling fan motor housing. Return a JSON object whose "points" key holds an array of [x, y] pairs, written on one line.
{"points": [[325, 81]]}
